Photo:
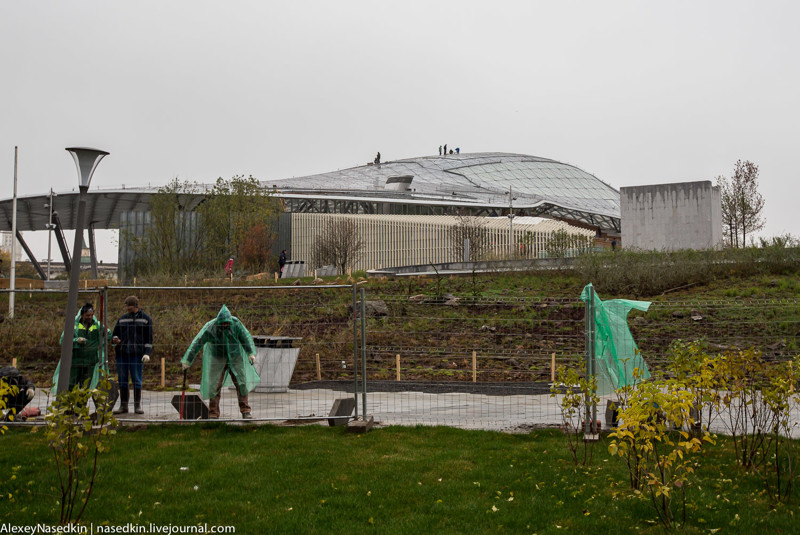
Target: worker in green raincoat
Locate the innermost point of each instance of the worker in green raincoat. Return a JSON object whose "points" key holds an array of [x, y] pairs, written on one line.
{"points": [[88, 349], [228, 355]]}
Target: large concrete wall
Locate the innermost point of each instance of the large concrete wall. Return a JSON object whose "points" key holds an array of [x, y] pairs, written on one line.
{"points": [[686, 215]]}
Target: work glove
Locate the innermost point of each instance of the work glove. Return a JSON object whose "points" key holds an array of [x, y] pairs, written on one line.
{"points": [[31, 392], [81, 340], [184, 366], [252, 359], [145, 358]]}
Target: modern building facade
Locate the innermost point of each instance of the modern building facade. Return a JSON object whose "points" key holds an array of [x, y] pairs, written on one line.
{"points": [[404, 240], [670, 217]]}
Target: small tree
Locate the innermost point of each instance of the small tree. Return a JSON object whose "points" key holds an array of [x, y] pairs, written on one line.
{"points": [[561, 244], [742, 204], [473, 229], [230, 215], [578, 394], [663, 466], [171, 242], [339, 244], [72, 438]]}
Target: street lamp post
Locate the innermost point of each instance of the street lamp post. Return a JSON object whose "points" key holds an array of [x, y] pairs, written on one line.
{"points": [[86, 161], [50, 227], [511, 247]]}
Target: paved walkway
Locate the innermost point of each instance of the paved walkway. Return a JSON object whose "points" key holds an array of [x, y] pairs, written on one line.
{"points": [[513, 413]]}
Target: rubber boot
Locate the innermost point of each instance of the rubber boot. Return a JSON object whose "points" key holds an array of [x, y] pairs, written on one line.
{"points": [[137, 401], [124, 397]]}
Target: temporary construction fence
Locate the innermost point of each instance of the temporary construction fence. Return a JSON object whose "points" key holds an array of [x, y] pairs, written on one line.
{"points": [[441, 359]]}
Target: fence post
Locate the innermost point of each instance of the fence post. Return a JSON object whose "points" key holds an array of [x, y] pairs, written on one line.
{"points": [[355, 349], [553, 368], [398, 366], [104, 323], [363, 355], [319, 369], [474, 367], [163, 373], [590, 418]]}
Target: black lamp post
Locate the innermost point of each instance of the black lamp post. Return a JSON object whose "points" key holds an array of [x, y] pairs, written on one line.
{"points": [[86, 161]]}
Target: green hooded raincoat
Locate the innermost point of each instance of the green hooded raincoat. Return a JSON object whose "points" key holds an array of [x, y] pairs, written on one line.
{"points": [[224, 348], [91, 353]]}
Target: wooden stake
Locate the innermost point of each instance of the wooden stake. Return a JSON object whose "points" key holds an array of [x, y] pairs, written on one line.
{"points": [[398, 366], [319, 369], [14, 362], [276, 277], [474, 367], [553, 368], [163, 377]]}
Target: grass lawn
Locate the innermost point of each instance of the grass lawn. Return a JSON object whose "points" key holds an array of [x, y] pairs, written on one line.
{"points": [[316, 479]]}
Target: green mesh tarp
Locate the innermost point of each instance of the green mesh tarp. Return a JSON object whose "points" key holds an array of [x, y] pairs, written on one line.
{"points": [[616, 353]]}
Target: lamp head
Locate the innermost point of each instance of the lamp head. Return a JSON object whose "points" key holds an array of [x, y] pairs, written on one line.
{"points": [[86, 161]]}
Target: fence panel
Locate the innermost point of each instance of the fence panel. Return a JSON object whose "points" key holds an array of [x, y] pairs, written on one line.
{"points": [[441, 360]]}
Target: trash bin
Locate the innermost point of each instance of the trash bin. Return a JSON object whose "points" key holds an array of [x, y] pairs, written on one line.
{"points": [[276, 357]]}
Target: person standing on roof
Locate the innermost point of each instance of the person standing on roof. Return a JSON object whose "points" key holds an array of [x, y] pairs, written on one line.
{"points": [[228, 356], [440, 150], [133, 340]]}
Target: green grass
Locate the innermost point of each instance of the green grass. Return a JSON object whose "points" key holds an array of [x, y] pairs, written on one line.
{"points": [[317, 479]]}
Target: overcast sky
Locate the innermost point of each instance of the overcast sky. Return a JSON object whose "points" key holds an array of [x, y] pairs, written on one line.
{"points": [[634, 92]]}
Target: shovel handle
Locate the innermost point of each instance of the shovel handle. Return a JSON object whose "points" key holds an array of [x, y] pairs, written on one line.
{"points": [[183, 394]]}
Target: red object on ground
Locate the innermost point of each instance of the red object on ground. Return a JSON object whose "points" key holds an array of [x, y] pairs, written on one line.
{"points": [[30, 412]]}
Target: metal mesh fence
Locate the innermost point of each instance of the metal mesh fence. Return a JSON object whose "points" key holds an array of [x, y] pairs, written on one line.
{"points": [[441, 360]]}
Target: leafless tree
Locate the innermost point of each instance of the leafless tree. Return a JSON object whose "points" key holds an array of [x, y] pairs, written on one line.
{"points": [[742, 204], [339, 244], [473, 229]]}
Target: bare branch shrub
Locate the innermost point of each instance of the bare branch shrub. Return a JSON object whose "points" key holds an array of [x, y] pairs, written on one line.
{"points": [[339, 244], [473, 229]]}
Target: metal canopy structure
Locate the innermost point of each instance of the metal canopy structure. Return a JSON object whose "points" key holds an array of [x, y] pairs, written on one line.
{"points": [[103, 208]]}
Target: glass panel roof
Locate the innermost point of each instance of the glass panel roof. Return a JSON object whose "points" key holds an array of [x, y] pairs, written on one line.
{"points": [[481, 177]]}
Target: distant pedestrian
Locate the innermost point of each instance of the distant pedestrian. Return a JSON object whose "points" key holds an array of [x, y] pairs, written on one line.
{"points": [[282, 259], [440, 150], [614, 244], [229, 266], [458, 150], [445, 149], [378, 159]]}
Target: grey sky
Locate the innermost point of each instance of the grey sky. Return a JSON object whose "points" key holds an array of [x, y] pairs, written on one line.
{"points": [[633, 92]]}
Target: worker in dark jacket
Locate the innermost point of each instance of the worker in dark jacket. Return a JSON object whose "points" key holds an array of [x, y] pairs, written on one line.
{"points": [[14, 403], [133, 339]]}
